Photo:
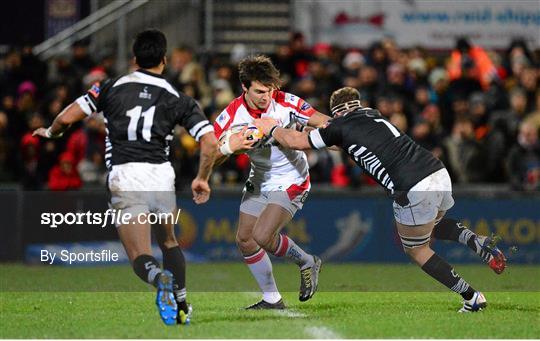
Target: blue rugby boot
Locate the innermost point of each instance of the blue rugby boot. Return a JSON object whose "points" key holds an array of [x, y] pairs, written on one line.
{"points": [[167, 307]]}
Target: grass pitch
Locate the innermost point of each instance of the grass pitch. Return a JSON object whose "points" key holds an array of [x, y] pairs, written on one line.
{"points": [[354, 301]]}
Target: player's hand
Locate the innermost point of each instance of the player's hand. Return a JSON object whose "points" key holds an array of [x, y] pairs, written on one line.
{"points": [[240, 141], [201, 191], [41, 132], [46, 133], [265, 124]]}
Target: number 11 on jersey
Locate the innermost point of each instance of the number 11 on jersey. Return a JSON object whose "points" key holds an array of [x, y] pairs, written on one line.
{"points": [[134, 116]]}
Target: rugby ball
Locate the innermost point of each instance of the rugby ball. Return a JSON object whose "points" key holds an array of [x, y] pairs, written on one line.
{"points": [[252, 133]]}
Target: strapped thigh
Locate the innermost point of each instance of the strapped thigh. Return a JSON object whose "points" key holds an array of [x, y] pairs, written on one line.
{"points": [[412, 242]]}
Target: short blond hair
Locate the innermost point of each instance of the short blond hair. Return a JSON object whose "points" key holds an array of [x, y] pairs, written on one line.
{"points": [[341, 98], [343, 95]]}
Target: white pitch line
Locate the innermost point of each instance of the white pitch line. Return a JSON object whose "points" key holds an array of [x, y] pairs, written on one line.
{"points": [[321, 333], [286, 312], [315, 332]]}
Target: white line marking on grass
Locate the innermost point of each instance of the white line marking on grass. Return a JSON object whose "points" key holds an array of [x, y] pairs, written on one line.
{"points": [[321, 333], [286, 313], [315, 332]]}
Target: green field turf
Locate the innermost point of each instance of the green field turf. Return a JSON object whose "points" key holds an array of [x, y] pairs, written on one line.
{"points": [[354, 301]]}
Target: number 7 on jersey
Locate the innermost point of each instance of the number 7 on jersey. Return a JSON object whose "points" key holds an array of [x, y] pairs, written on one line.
{"points": [[390, 126]]}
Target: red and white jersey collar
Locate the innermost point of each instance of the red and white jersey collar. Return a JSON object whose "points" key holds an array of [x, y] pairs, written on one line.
{"points": [[256, 113]]}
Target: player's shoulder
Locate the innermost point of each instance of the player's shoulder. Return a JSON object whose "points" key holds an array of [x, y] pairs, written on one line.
{"points": [[153, 82], [345, 122], [99, 89], [292, 101], [282, 97], [108, 82], [370, 112], [233, 113], [235, 105], [363, 114], [335, 122]]}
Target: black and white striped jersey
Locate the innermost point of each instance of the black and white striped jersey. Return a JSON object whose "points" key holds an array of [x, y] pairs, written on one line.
{"points": [[390, 157], [141, 110]]}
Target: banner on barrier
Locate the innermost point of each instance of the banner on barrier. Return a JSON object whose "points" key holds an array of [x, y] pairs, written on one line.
{"points": [[362, 229], [348, 229], [434, 24]]}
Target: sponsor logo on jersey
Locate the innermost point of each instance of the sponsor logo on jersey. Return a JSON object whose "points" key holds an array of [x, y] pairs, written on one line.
{"points": [[291, 99], [305, 106], [222, 119], [94, 90], [144, 94], [304, 197]]}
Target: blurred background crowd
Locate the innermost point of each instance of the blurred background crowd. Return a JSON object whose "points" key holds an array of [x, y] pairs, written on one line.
{"points": [[475, 109]]}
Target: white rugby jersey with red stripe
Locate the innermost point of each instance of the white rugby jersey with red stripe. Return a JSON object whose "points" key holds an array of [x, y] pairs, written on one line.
{"points": [[273, 167]]}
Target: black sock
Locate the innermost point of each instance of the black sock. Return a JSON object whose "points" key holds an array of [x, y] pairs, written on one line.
{"points": [[439, 269], [174, 261], [147, 268], [451, 229]]}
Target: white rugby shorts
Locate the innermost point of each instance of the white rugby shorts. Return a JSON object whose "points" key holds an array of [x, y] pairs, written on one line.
{"points": [[292, 199], [140, 187], [425, 199]]}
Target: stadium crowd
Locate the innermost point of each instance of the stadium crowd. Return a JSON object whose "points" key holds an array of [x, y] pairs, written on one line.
{"points": [[475, 109]]}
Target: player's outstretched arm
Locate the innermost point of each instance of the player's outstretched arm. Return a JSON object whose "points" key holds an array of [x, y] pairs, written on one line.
{"points": [[220, 159], [288, 138], [291, 139], [199, 186], [318, 120], [71, 114]]}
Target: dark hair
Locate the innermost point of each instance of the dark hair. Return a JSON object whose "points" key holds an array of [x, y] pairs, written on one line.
{"points": [[260, 69], [463, 45], [149, 48]]}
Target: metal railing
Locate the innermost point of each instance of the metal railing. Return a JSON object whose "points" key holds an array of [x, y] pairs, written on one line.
{"points": [[86, 27]]}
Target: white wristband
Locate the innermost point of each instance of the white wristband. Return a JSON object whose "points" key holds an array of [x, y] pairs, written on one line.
{"points": [[50, 135], [225, 149]]}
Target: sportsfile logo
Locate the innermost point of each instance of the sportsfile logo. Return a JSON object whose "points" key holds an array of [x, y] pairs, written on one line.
{"points": [[102, 219]]}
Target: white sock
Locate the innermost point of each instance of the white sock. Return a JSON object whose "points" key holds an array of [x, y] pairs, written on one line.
{"points": [[288, 248], [465, 235], [153, 274], [261, 268]]}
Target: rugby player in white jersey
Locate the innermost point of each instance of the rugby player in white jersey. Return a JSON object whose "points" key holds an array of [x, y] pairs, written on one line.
{"points": [[278, 183]]}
